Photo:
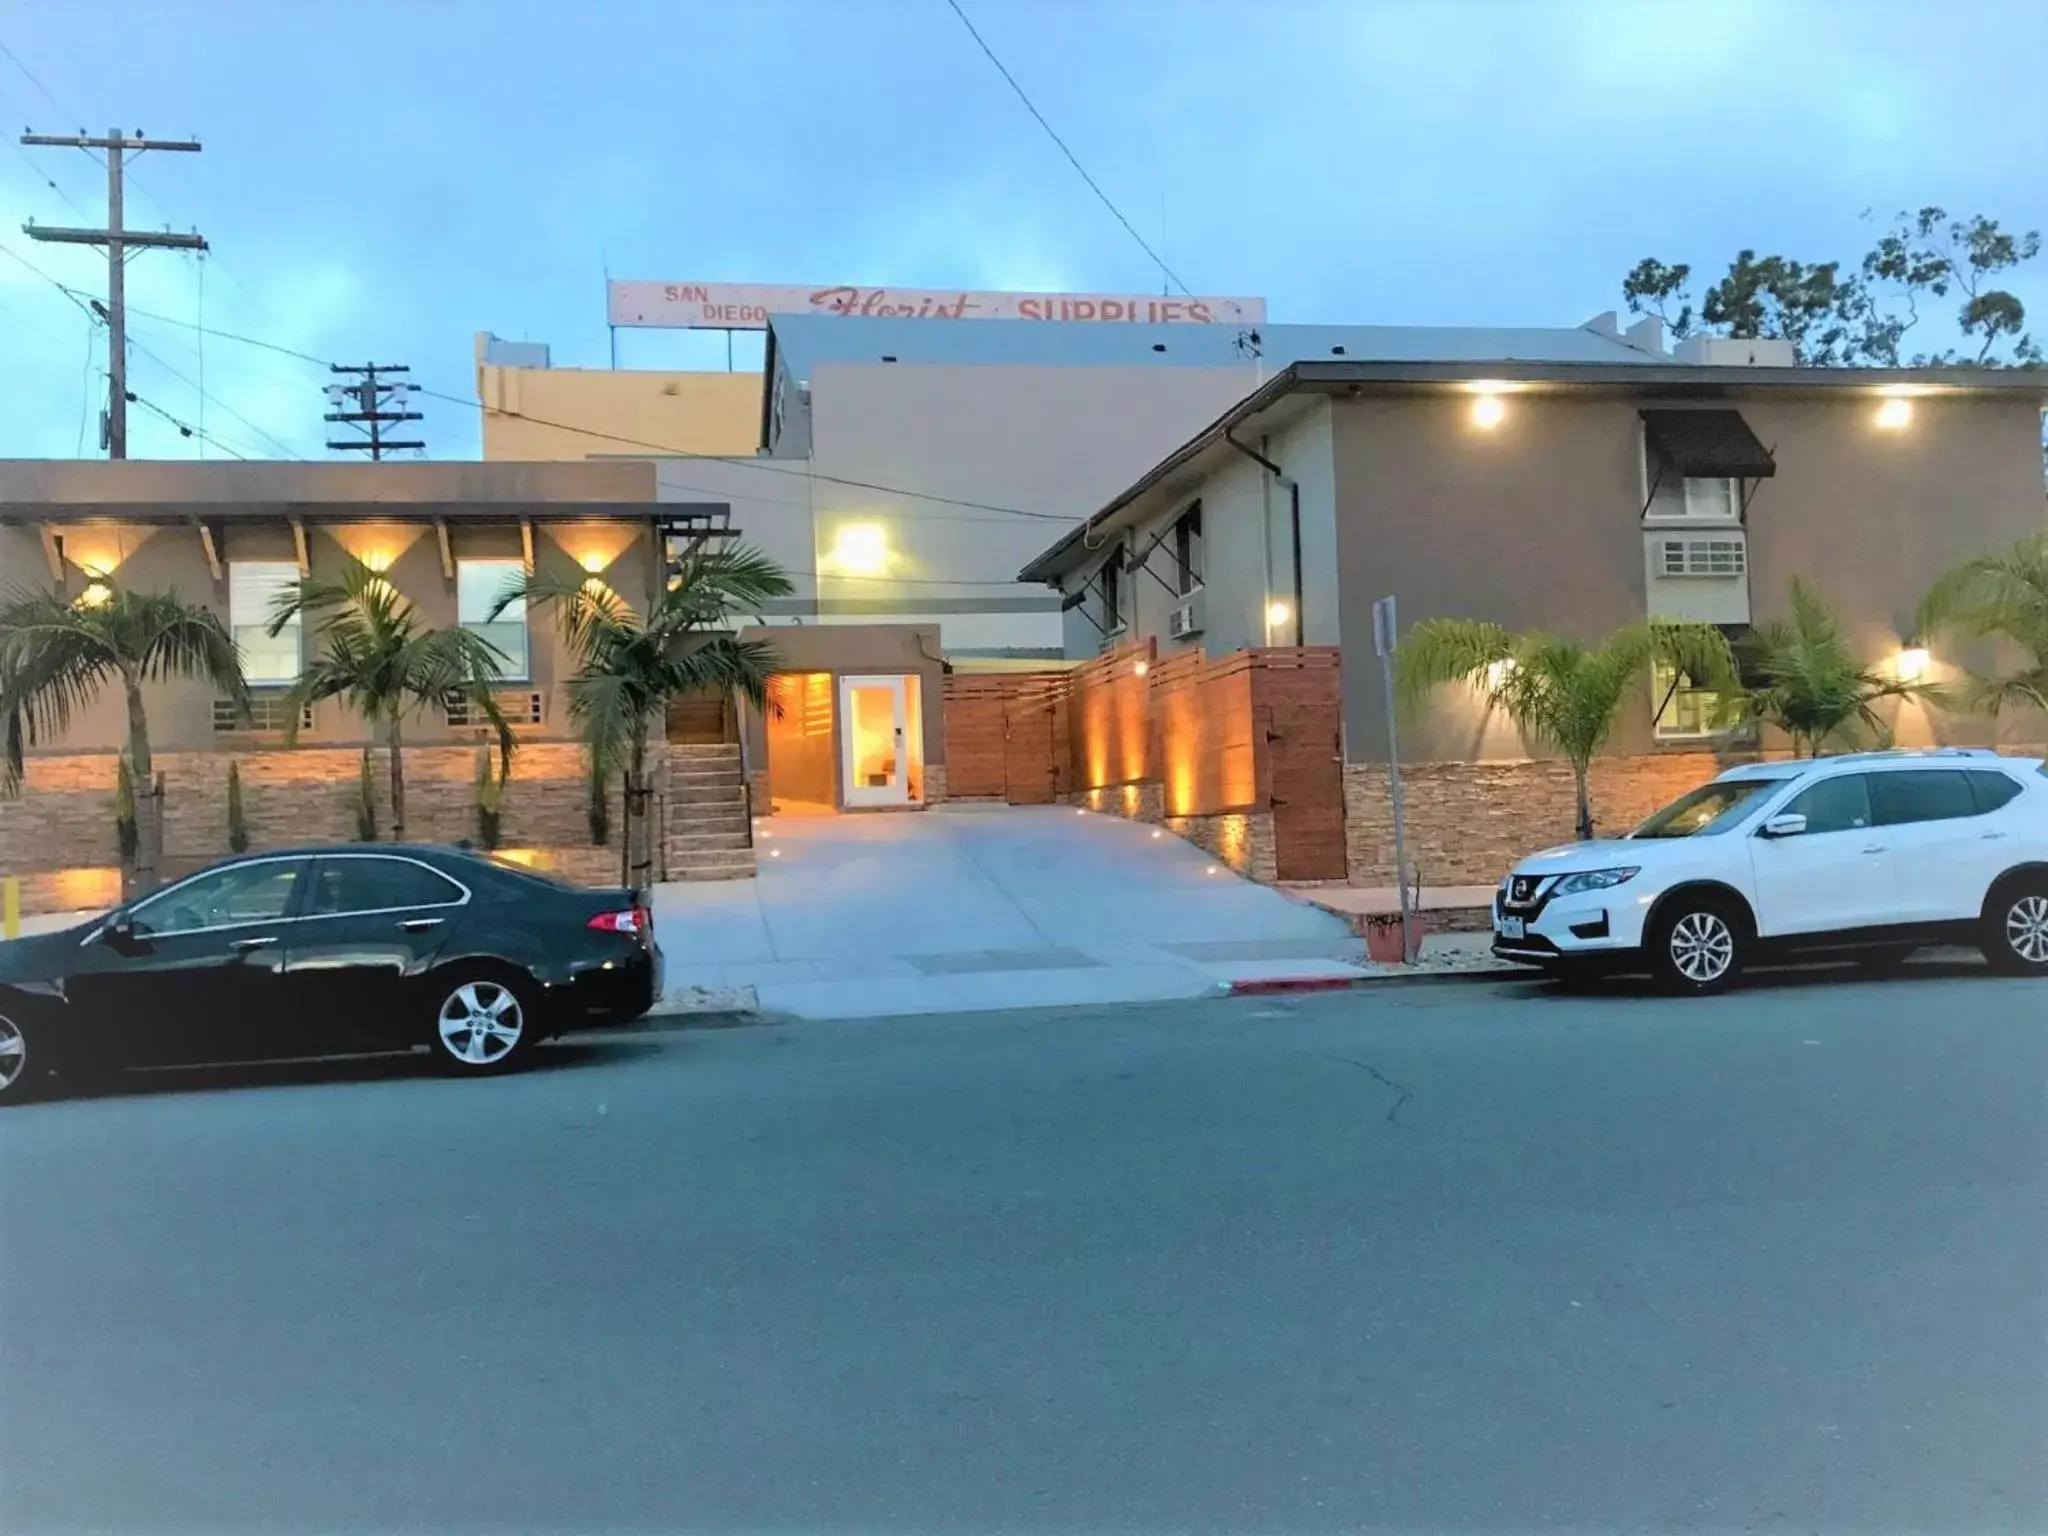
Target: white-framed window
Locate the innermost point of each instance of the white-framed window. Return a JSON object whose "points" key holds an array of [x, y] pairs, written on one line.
{"points": [[1713, 500], [1686, 713], [1187, 551], [1112, 581], [253, 589], [478, 586]]}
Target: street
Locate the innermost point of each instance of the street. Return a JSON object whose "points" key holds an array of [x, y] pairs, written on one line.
{"points": [[1448, 1257]]}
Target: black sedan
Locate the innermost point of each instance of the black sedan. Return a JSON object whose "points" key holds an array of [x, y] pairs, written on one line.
{"points": [[325, 951]]}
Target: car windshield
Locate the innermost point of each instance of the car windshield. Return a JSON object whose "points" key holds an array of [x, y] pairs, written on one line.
{"points": [[1707, 810]]}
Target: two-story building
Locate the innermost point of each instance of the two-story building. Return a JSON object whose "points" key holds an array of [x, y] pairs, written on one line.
{"points": [[1574, 497]]}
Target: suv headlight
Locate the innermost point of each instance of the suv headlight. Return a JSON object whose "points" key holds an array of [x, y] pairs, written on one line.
{"points": [[1595, 880]]}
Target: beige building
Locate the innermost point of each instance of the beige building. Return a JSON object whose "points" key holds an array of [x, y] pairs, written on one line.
{"points": [[532, 411], [1572, 497]]}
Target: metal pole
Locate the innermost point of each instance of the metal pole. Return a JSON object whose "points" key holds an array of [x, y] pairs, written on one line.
{"points": [[117, 307], [1385, 636]]}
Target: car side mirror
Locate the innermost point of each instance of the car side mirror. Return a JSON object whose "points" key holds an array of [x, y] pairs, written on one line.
{"points": [[119, 928], [1792, 824]]}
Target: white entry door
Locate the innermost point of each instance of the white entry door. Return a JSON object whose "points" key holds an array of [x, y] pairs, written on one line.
{"points": [[874, 740]]}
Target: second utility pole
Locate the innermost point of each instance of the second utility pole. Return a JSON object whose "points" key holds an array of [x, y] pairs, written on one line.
{"points": [[117, 241]]}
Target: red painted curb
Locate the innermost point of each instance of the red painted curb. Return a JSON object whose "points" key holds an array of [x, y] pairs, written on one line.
{"points": [[1294, 984]]}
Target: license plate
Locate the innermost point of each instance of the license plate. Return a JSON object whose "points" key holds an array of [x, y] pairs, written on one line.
{"points": [[1510, 927]]}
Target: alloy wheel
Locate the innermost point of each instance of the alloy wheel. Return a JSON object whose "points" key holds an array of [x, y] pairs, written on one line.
{"points": [[13, 1053], [1702, 947], [2026, 928], [481, 1023]]}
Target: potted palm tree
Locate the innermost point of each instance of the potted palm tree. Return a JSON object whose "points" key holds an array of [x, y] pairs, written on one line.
{"points": [[1809, 683], [374, 652], [629, 668], [57, 653], [1558, 692], [2001, 596]]}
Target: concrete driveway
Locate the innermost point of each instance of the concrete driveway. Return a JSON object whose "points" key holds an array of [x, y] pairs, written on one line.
{"points": [[973, 907]]}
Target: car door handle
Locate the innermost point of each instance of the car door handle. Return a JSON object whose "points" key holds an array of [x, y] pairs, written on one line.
{"points": [[1991, 837], [1875, 848], [418, 924], [242, 944]]}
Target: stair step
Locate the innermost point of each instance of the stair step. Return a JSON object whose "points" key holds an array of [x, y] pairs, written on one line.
{"points": [[693, 841], [703, 751]]}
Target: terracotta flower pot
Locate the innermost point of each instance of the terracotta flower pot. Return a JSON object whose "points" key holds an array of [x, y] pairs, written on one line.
{"points": [[1383, 938]]}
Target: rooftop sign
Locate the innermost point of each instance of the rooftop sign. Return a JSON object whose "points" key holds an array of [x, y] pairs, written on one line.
{"points": [[747, 306]]}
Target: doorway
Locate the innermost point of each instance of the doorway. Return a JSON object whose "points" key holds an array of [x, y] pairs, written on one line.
{"points": [[881, 741]]}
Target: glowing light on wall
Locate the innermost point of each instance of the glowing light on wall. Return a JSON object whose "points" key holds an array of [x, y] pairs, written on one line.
{"points": [[1895, 413], [97, 594], [594, 561], [1497, 674], [1487, 412], [1278, 613], [860, 549], [1911, 664]]}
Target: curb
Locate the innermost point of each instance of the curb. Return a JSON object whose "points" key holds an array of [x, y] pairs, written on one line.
{"points": [[1281, 985]]}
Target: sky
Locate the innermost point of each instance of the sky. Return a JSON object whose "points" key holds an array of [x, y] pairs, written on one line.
{"points": [[380, 181]]}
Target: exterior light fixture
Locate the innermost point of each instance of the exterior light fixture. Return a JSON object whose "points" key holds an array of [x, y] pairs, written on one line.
{"points": [[1487, 411], [594, 563], [1497, 674], [1141, 666], [97, 594], [1278, 612], [1911, 664], [860, 549], [1895, 413]]}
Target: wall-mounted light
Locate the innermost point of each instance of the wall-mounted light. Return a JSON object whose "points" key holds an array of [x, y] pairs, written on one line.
{"points": [[860, 549], [1487, 412], [1911, 664], [97, 594], [1498, 673], [1895, 413], [594, 562], [1278, 612], [1141, 666], [378, 560]]}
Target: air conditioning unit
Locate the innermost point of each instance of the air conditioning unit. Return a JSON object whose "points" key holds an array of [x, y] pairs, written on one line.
{"points": [[1185, 622]]}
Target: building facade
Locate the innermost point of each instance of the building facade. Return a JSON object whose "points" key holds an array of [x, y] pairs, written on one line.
{"points": [[1574, 498]]}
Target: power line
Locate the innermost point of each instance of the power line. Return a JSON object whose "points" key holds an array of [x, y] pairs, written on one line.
{"points": [[1072, 159], [32, 80]]}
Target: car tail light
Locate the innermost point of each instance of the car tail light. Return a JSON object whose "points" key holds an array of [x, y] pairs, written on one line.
{"points": [[632, 920]]}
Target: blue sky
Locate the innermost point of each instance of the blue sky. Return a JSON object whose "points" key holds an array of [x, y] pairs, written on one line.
{"points": [[383, 180]]}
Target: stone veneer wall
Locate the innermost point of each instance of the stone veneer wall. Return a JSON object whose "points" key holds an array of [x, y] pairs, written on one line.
{"points": [[1467, 822], [1243, 840], [64, 817], [934, 783]]}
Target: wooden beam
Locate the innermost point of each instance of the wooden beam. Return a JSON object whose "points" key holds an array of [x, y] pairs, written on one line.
{"points": [[206, 542], [447, 549], [526, 543], [299, 546], [53, 552]]}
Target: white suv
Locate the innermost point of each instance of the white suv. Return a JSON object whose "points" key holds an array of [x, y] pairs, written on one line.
{"points": [[1876, 854]]}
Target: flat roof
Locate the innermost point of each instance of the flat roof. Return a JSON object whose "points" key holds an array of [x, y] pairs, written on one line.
{"points": [[1653, 379]]}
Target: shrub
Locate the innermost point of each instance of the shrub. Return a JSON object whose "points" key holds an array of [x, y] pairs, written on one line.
{"points": [[366, 801], [238, 822]]}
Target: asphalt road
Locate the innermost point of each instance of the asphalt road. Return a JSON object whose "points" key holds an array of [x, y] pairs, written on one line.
{"points": [[1454, 1257]]}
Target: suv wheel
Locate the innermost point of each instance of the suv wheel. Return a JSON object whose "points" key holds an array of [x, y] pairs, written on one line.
{"points": [[2016, 923], [1696, 944]]}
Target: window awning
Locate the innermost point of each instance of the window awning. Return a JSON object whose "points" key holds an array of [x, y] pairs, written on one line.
{"points": [[1708, 444]]}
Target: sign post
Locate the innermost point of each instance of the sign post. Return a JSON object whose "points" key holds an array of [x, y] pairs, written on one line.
{"points": [[1385, 637]]}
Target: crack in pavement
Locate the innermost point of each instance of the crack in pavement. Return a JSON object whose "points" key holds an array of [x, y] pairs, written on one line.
{"points": [[1402, 1093]]}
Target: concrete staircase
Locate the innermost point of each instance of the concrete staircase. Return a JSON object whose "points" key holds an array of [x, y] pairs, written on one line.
{"points": [[708, 837]]}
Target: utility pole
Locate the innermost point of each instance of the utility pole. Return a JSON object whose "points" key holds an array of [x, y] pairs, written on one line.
{"points": [[118, 241], [371, 406]]}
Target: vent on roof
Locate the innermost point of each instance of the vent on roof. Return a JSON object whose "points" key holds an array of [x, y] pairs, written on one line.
{"points": [[1158, 346], [888, 357], [1336, 351]]}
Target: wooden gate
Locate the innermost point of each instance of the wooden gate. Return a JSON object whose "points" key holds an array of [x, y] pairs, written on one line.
{"points": [[1297, 705], [1004, 737]]}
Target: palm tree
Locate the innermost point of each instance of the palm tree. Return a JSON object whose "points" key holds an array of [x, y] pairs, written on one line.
{"points": [[376, 654], [1559, 692], [1810, 684], [629, 668], [56, 653], [1999, 596]]}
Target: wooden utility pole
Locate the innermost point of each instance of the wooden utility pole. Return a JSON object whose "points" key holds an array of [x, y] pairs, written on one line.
{"points": [[117, 241], [376, 404]]}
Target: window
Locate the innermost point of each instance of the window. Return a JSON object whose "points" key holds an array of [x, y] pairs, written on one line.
{"points": [[241, 893], [1685, 712], [1112, 592], [1187, 551], [1702, 557], [266, 713], [1834, 805], [253, 589], [1712, 499], [478, 586], [376, 884], [517, 708], [1922, 794], [1707, 811], [1991, 789]]}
